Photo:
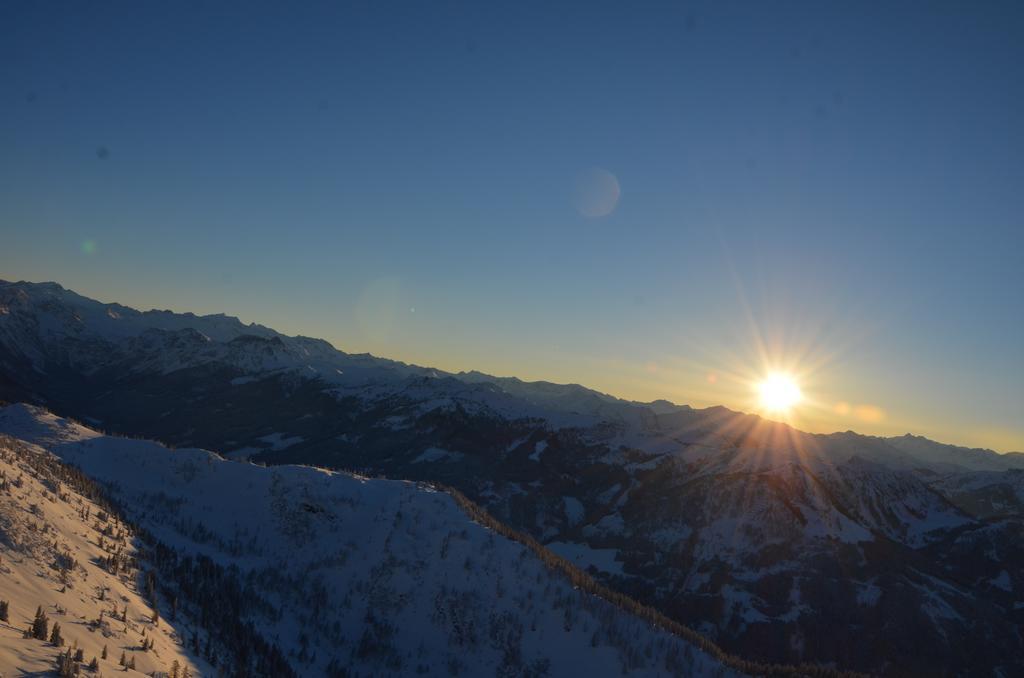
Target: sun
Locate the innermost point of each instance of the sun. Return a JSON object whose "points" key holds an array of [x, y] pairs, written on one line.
{"points": [[779, 393]]}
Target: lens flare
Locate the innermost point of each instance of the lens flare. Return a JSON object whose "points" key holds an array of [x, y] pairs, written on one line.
{"points": [[597, 193]]}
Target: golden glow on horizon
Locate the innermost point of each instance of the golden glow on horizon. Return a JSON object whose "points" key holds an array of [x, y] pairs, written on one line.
{"points": [[779, 393]]}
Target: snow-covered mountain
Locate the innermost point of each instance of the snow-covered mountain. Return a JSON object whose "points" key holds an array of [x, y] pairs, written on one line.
{"points": [[42, 324], [955, 457], [781, 545], [65, 554], [339, 574]]}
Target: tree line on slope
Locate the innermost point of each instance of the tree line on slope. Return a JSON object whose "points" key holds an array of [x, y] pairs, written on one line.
{"points": [[233, 645], [588, 584]]}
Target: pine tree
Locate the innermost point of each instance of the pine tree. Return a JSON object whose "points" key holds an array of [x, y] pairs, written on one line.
{"points": [[103, 655], [40, 625], [175, 668], [55, 637], [122, 661], [4, 606], [94, 665], [65, 665]]}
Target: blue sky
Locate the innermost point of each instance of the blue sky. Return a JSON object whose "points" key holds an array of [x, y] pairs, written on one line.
{"points": [[802, 184]]}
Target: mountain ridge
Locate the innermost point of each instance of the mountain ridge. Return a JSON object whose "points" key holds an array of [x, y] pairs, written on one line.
{"points": [[779, 545], [220, 324]]}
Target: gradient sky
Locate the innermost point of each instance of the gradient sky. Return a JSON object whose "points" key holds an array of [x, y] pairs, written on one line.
{"points": [[835, 188]]}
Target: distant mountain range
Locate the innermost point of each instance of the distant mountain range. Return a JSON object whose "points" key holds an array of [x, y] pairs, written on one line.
{"points": [[866, 553]]}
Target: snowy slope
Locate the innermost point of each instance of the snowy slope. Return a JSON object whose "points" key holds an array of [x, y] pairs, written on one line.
{"points": [[45, 523], [986, 493], [386, 577]]}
